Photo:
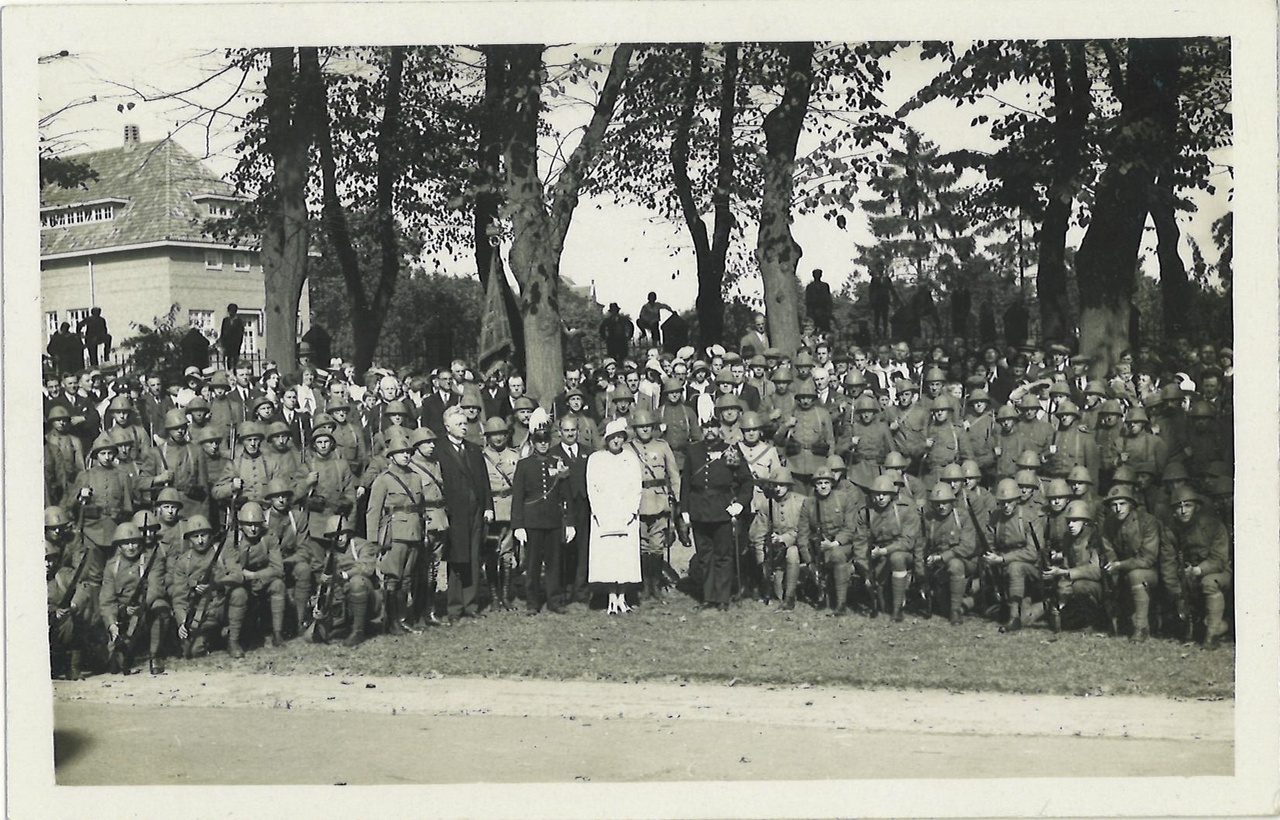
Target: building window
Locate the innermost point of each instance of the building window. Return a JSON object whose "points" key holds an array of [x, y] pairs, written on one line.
{"points": [[63, 217], [241, 260], [253, 331], [220, 209], [50, 323], [213, 260], [75, 317], [202, 320]]}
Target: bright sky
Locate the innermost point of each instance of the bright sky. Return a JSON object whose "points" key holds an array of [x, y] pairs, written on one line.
{"points": [[626, 251]]}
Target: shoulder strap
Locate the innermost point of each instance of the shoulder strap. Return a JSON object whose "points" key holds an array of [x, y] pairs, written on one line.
{"points": [[400, 481], [497, 467], [640, 458]]}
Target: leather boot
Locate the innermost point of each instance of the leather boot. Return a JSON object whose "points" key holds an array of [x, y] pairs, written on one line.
{"points": [[429, 616], [402, 609], [391, 600], [233, 645], [1015, 617], [77, 659], [302, 605], [359, 608], [158, 630]]}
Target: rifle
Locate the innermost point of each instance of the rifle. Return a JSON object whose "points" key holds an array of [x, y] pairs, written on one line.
{"points": [[770, 550], [815, 553], [1048, 588], [990, 583], [322, 603], [122, 649], [1108, 600], [206, 578], [926, 577], [64, 603]]}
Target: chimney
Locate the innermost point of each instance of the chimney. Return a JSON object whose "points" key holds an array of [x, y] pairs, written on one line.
{"points": [[131, 138]]}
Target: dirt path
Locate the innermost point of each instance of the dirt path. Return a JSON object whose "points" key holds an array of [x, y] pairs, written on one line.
{"points": [[266, 729]]}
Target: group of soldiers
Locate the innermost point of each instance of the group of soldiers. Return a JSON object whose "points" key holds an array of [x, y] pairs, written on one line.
{"points": [[222, 509]]}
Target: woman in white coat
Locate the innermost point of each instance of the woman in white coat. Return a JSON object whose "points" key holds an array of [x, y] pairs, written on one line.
{"points": [[614, 491]]}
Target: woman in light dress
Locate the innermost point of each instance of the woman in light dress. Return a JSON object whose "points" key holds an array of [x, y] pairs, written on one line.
{"points": [[613, 491]]}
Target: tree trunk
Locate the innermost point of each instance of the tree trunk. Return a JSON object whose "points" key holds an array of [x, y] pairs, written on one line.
{"points": [[1174, 286], [540, 229], [1142, 144], [777, 252], [488, 199], [285, 240], [1072, 102]]}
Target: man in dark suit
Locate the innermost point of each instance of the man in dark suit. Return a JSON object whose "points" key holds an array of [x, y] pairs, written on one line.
{"points": [[573, 453], [715, 488], [470, 504], [433, 406]]}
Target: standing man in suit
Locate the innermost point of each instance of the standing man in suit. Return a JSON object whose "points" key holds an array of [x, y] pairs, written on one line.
{"points": [[756, 340], [573, 451], [470, 504]]}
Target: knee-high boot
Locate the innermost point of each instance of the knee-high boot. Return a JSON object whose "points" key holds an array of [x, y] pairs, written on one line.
{"points": [[898, 583], [358, 606]]}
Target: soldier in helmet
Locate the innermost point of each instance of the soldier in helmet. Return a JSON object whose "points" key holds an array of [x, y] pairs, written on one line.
{"points": [[245, 476], [325, 487], [892, 524], [980, 423], [168, 511], [1131, 545], [68, 595], [63, 456], [102, 495], [1082, 483], [1005, 442], [728, 412], [867, 441], [175, 463], [253, 570], [498, 549], [946, 441], [193, 585], [283, 459], [1070, 446], [761, 456], [1075, 567], [435, 519], [347, 582], [588, 433], [908, 419], [781, 402], [677, 420], [896, 463], [522, 410], [1011, 549], [806, 436], [122, 417], [394, 521], [950, 546], [660, 486], [348, 437], [133, 589], [288, 526], [1204, 545], [1034, 433], [395, 415], [775, 536], [827, 527], [1208, 438], [138, 471], [213, 461]]}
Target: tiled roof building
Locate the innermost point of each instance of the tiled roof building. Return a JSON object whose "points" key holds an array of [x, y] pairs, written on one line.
{"points": [[133, 243]]}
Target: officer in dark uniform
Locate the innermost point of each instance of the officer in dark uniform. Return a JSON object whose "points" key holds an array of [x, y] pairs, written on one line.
{"points": [[714, 490], [542, 521]]}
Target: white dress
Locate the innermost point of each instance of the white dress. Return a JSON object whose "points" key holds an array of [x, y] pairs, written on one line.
{"points": [[613, 489]]}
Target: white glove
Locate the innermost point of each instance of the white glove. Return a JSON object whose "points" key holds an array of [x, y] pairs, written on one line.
{"points": [[182, 631], [488, 516], [570, 533], [684, 516], [734, 509], [521, 534]]}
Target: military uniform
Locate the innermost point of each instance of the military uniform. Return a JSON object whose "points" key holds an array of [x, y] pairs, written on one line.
{"points": [[120, 580], [775, 537], [1010, 538], [954, 540], [347, 601], [867, 444], [435, 524], [64, 459], [1133, 546], [111, 502], [709, 484], [827, 527], [395, 522], [259, 556], [541, 506], [1204, 545], [896, 529], [253, 471], [807, 443], [187, 473]]}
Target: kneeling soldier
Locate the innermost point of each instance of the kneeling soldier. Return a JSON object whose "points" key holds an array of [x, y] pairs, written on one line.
{"points": [[893, 535], [1076, 570], [68, 595], [1203, 542], [199, 602], [774, 533], [828, 521], [950, 545], [131, 599], [1131, 542], [345, 594], [1011, 548], [253, 569]]}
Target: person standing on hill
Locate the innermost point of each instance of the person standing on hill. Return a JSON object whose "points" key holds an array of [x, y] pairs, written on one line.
{"points": [[648, 319], [817, 302], [616, 330], [232, 336], [96, 338]]}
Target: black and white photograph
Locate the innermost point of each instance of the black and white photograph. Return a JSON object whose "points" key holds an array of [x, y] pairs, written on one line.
{"points": [[641, 409]]}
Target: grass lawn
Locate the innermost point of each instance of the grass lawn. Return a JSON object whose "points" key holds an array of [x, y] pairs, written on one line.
{"points": [[761, 645]]}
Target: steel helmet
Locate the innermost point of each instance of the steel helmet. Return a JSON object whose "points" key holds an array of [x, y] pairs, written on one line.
{"points": [[952, 472], [249, 429], [1026, 478], [865, 402], [120, 402], [146, 520], [196, 524], [1139, 415], [1186, 494], [1006, 412], [781, 475], [169, 495], [750, 421], [728, 401], [1124, 474], [1007, 490], [835, 464], [251, 512], [971, 468], [935, 374], [55, 517], [1080, 475], [396, 408], [102, 442], [1176, 471], [338, 524], [421, 434], [128, 531], [823, 473], [979, 394], [853, 378], [1079, 510], [1028, 460], [496, 426], [174, 418], [277, 486], [277, 428], [1067, 408], [59, 411], [1121, 492], [883, 484], [397, 441], [1058, 488], [643, 418], [893, 460], [1028, 402], [805, 387], [941, 493]]}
